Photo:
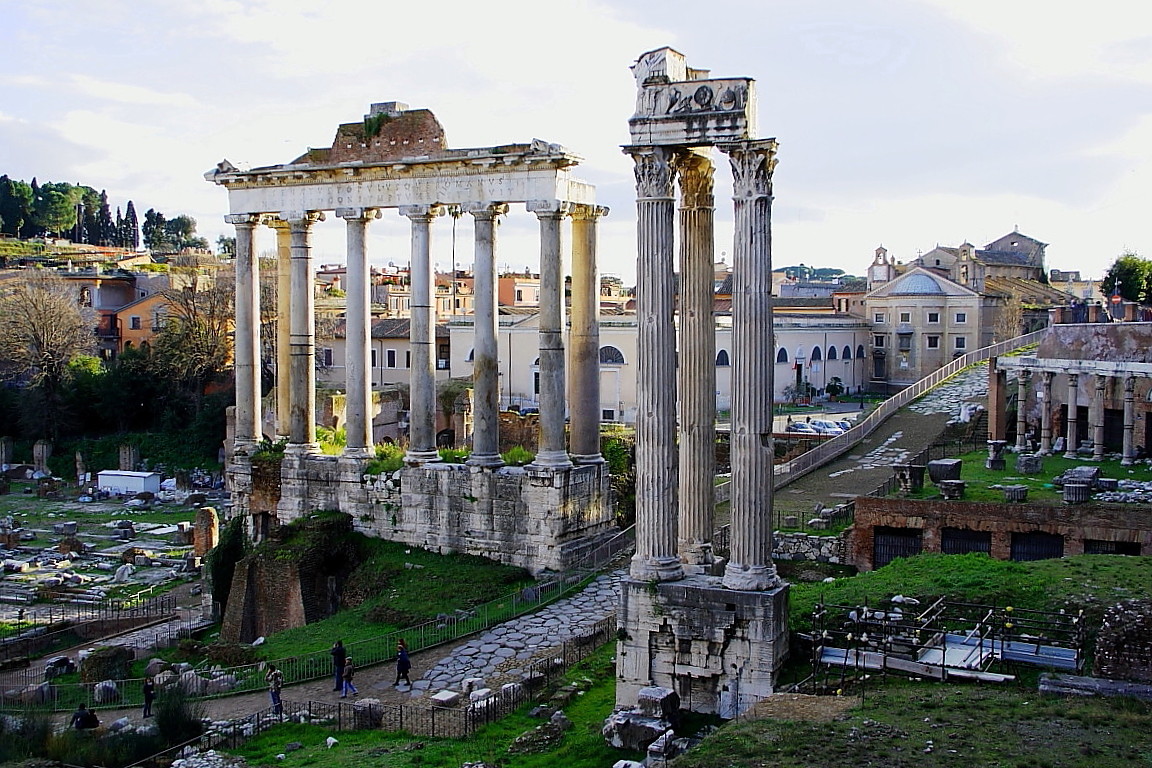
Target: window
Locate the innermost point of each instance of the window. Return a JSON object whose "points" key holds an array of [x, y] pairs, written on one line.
{"points": [[905, 317], [831, 353], [407, 358], [878, 317], [878, 341], [782, 355], [519, 295], [961, 342], [326, 357], [905, 342], [961, 317], [390, 358], [134, 322], [722, 359], [471, 356], [816, 355], [933, 342], [608, 414], [933, 317], [860, 351], [847, 353], [374, 363], [611, 356], [536, 382]]}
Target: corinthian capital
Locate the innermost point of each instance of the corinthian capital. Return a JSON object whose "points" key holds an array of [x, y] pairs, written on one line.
{"points": [[655, 174], [752, 165], [696, 179], [303, 219], [422, 212]]}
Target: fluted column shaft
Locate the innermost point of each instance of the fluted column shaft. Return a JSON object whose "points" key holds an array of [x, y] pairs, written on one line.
{"points": [[358, 335], [283, 326], [1128, 449], [1022, 410], [485, 354], [302, 342], [697, 359], [247, 343], [552, 452], [1072, 437], [584, 352], [750, 566], [1046, 413], [656, 465], [1098, 418], [422, 382]]}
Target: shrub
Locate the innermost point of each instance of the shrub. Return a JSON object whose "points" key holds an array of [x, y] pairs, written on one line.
{"points": [[178, 715], [454, 455], [517, 456], [389, 458]]}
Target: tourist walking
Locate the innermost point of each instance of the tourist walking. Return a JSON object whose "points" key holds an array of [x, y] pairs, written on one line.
{"points": [[149, 695], [349, 670], [339, 657], [275, 680], [403, 664]]}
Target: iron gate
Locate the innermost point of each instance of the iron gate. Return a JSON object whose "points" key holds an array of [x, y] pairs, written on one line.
{"points": [[891, 543], [1037, 545], [961, 541]]}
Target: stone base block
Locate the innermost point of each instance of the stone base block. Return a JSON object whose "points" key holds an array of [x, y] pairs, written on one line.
{"points": [[720, 650]]}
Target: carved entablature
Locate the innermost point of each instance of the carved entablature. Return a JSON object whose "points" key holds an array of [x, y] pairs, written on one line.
{"points": [[655, 174], [677, 105]]}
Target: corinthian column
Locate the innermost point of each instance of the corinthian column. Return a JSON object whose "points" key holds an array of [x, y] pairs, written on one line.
{"points": [[1129, 420], [750, 566], [422, 382], [655, 558], [1098, 418], [584, 355], [358, 335], [283, 321], [1072, 436], [697, 360], [1045, 397], [247, 344], [1021, 411], [302, 369], [552, 453], [485, 366]]}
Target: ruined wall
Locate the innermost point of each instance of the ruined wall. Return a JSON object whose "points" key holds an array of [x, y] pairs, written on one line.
{"points": [[265, 598], [1116, 342], [805, 546], [1124, 645], [1117, 523]]}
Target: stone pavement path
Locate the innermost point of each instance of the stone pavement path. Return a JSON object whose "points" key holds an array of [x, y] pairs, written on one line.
{"points": [[905, 434]]}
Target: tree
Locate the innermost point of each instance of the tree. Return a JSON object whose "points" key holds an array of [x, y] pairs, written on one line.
{"points": [[130, 234], [225, 246], [105, 228], [155, 231], [42, 328], [15, 206], [1132, 275], [194, 344], [1009, 321]]}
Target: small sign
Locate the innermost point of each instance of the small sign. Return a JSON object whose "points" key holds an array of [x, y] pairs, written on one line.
{"points": [[1116, 299]]}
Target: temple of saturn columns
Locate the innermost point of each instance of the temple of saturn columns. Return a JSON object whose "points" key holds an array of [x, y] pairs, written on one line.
{"points": [[714, 632], [543, 516]]}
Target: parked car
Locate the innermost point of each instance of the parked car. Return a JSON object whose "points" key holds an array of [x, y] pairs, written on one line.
{"points": [[825, 427], [799, 427], [844, 425]]}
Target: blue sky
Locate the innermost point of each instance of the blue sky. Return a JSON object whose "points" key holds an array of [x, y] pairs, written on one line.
{"points": [[905, 123]]}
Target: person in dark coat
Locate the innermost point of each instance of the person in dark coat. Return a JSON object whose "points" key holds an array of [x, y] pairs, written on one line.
{"points": [[84, 718], [349, 670], [339, 658], [149, 695], [403, 664]]}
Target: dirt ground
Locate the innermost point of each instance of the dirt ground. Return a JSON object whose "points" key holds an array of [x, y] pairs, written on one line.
{"points": [[800, 706]]}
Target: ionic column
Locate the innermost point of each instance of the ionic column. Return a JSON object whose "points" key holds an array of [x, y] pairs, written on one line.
{"points": [[1072, 437], [1045, 397], [1098, 418], [247, 343], [283, 325], [750, 566], [302, 343], [422, 382], [551, 454], [485, 366], [1128, 449], [697, 359], [656, 526], [358, 335], [584, 352], [1022, 377]]}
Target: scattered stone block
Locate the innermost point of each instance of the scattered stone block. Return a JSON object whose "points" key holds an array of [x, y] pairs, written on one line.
{"points": [[944, 469], [480, 694], [1029, 464], [1015, 493], [952, 489], [1077, 493], [445, 698]]}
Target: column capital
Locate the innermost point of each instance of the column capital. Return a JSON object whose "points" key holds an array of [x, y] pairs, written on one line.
{"points": [[482, 209], [301, 218], [361, 214], [655, 174], [245, 219], [1129, 385], [588, 212], [547, 208], [752, 165], [422, 212], [696, 172]]}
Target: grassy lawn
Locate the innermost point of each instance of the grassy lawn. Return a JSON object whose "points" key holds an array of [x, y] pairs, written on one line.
{"points": [[979, 480], [580, 747]]}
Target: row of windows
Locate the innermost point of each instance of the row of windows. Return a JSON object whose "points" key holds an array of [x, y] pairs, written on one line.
{"points": [[931, 341], [932, 318], [390, 358], [612, 356]]}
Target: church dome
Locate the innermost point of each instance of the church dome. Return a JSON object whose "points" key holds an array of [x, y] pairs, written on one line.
{"points": [[918, 285]]}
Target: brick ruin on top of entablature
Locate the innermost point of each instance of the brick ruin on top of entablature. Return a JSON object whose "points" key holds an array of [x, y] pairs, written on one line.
{"points": [[390, 131]]}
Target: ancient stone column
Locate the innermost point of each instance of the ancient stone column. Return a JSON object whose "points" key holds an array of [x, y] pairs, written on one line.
{"points": [[302, 339], [1045, 396], [283, 326], [422, 413], [1128, 449], [1072, 437], [6, 455], [1022, 376], [485, 352], [552, 453], [1098, 418], [750, 565], [584, 351], [997, 401], [247, 338], [656, 464], [697, 359], [358, 336]]}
